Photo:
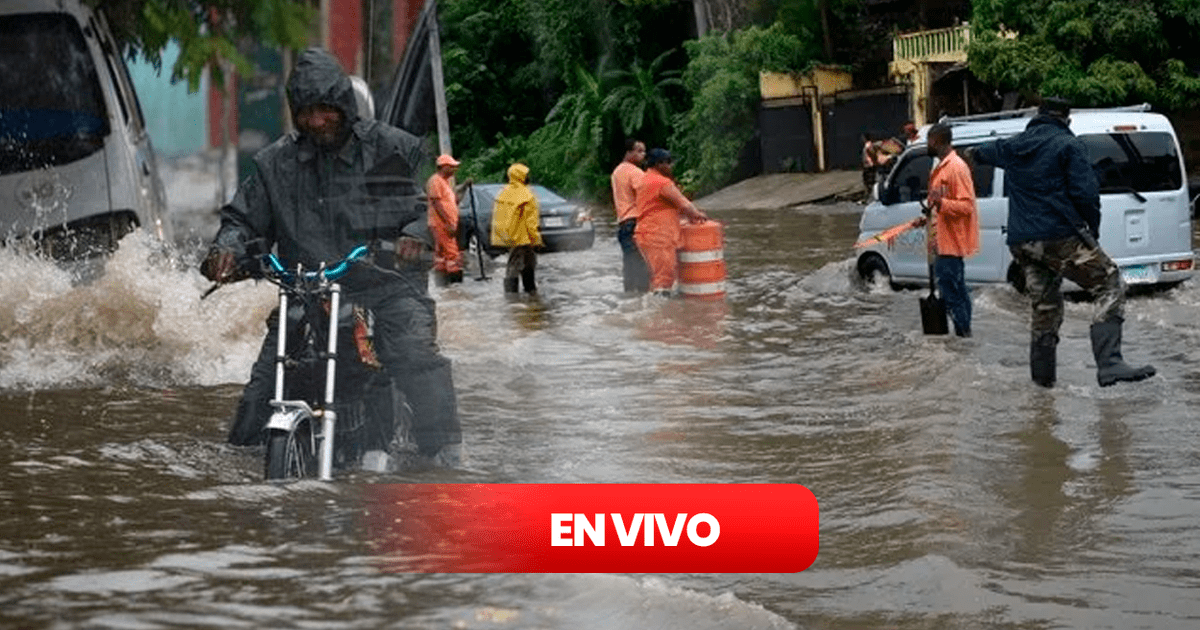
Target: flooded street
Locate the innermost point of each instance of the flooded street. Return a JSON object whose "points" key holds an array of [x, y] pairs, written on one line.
{"points": [[953, 492]]}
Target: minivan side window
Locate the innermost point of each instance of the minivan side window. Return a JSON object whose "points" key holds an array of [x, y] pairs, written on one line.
{"points": [[131, 109], [1141, 161], [52, 108], [982, 176], [910, 179]]}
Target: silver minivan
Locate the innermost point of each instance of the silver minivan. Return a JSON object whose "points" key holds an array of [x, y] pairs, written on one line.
{"points": [[77, 170], [1146, 219]]}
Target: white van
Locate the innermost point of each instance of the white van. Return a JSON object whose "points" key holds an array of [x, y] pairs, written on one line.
{"points": [[77, 170], [1146, 220]]}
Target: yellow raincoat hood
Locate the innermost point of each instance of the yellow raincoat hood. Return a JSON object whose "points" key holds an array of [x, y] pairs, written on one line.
{"points": [[518, 173]]}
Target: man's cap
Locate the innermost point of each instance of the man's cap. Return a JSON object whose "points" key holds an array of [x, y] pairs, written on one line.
{"points": [[1055, 106], [658, 156], [445, 160]]}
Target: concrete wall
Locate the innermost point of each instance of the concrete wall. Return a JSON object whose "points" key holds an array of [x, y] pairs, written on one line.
{"points": [[823, 80], [177, 121]]}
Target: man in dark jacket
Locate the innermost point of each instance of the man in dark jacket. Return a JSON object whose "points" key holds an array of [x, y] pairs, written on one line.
{"points": [[337, 182], [1053, 224]]}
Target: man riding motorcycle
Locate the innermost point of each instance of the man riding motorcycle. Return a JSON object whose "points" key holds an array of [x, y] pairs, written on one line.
{"points": [[337, 182]]}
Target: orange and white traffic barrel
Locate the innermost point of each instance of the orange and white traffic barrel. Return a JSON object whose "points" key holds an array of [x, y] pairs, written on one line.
{"points": [[702, 261]]}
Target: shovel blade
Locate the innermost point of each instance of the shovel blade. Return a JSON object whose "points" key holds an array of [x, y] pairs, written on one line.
{"points": [[933, 316]]}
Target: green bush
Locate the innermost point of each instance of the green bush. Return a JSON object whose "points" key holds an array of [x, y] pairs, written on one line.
{"points": [[722, 77], [548, 155]]}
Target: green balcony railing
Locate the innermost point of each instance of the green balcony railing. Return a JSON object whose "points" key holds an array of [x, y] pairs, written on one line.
{"points": [[942, 43]]}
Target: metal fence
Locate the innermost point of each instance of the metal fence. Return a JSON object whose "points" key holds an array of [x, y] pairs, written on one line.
{"points": [[928, 45]]}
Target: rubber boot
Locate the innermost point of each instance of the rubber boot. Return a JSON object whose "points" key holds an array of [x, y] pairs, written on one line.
{"points": [[454, 277], [1110, 366], [1043, 359], [528, 279], [511, 285]]}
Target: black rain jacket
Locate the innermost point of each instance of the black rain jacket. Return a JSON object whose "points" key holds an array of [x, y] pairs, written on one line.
{"points": [[316, 205], [1047, 175]]}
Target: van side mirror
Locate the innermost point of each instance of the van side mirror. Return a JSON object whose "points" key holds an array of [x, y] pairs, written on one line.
{"points": [[887, 194]]}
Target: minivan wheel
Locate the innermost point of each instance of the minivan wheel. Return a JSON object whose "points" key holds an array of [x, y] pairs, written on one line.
{"points": [[872, 268]]}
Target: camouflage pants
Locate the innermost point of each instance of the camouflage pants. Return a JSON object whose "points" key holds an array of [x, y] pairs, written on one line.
{"points": [[1046, 263]]}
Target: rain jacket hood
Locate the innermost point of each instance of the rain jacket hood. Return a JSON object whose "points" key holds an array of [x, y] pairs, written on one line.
{"points": [[315, 206], [318, 79], [518, 174], [1048, 179]]}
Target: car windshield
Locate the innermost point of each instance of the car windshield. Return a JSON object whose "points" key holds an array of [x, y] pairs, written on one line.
{"points": [[51, 106], [1143, 162]]}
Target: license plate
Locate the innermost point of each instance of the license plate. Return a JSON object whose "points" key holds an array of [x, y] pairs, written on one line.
{"points": [[1138, 274], [555, 222]]}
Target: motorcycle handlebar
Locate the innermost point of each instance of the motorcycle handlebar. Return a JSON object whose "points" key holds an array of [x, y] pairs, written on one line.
{"points": [[275, 268]]}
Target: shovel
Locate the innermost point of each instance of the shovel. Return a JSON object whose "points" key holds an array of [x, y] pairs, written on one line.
{"points": [[933, 309]]}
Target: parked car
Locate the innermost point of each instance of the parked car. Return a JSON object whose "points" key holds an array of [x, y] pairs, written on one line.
{"points": [[564, 225], [77, 170], [1145, 207]]}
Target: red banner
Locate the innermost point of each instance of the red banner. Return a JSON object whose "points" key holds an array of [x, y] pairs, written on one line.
{"points": [[595, 528]]}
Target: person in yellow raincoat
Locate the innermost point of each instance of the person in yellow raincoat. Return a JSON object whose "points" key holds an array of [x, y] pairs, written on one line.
{"points": [[515, 226]]}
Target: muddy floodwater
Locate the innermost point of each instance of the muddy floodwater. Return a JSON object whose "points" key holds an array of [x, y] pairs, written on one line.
{"points": [[953, 493]]}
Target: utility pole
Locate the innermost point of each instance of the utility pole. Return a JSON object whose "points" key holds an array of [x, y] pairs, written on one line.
{"points": [[701, 13], [439, 84]]}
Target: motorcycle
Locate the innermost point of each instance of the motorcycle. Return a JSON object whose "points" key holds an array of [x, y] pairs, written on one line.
{"points": [[323, 349]]}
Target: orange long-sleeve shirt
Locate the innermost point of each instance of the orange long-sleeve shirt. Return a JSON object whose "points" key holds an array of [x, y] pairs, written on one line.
{"points": [[957, 222], [625, 181]]}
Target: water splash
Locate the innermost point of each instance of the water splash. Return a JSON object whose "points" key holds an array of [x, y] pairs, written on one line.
{"points": [[138, 320]]}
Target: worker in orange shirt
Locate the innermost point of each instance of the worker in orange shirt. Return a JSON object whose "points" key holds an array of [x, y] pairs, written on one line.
{"points": [[443, 222], [626, 178], [661, 206], [955, 216]]}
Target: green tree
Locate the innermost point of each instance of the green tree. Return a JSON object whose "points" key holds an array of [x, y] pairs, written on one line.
{"points": [[640, 97], [722, 77], [1095, 52], [207, 31], [578, 121], [523, 82]]}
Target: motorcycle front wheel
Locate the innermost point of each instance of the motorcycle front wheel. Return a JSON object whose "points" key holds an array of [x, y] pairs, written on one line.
{"points": [[291, 454]]}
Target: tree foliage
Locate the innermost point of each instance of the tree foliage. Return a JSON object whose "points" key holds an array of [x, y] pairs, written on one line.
{"points": [[1095, 52], [641, 97], [722, 77], [577, 120], [207, 31], [531, 80]]}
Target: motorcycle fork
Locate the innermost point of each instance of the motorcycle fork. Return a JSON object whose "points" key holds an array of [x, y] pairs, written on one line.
{"points": [[327, 414]]}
